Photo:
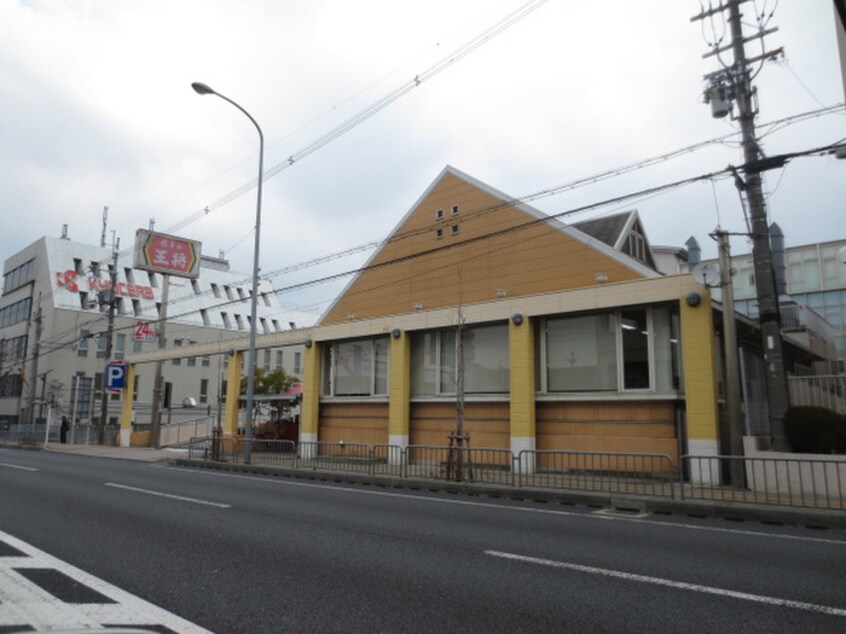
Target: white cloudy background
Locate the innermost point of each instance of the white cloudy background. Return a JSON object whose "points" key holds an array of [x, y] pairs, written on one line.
{"points": [[96, 109]]}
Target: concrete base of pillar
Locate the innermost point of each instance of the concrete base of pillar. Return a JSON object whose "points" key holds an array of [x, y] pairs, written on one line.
{"points": [[704, 470], [398, 443], [525, 458]]}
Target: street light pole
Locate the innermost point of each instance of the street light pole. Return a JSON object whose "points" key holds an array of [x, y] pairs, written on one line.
{"points": [[203, 89]]}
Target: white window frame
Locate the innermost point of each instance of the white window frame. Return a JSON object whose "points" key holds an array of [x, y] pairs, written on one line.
{"points": [[622, 390]]}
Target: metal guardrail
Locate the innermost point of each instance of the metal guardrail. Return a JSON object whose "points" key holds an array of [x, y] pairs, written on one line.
{"points": [[828, 390], [653, 475], [800, 482], [275, 453], [38, 434], [796, 482], [177, 433]]}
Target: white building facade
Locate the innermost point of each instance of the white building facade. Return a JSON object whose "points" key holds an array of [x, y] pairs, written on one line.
{"points": [[54, 326]]}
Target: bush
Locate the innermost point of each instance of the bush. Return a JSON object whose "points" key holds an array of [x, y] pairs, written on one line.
{"points": [[812, 429]]}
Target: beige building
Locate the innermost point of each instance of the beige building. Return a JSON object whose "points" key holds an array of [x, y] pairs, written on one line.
{"points": [[54, 327]]}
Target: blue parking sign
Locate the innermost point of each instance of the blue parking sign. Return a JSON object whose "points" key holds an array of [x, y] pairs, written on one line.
{"points": [[115, 376]]}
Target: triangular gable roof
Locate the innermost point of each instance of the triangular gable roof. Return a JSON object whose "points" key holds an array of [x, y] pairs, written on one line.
{"points": [[493, 216], [607, 229], [614, 230]]}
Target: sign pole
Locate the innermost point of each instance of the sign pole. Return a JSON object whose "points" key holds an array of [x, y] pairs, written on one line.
{"points": [[155, 410]]}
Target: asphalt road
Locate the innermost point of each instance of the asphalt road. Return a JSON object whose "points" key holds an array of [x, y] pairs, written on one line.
{"points": [[237, 553]]}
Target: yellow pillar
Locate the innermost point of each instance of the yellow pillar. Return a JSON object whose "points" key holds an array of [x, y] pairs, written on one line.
{"points": [[309, 411], [233, 393], [521, 353], [126, 407], [700, 380], [399, 408]]}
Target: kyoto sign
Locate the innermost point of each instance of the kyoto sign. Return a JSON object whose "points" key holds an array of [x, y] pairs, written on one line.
{"points": [[115, 376], [170, 255]]}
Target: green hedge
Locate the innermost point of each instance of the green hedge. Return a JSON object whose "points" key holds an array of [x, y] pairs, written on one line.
{"points": [[812, 429]]}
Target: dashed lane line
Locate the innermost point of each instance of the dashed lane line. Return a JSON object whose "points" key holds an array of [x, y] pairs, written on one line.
{"points": [[679, 585], [17, 466], [170, 496]]}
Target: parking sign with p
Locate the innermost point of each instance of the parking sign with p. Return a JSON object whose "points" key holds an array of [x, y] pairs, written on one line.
{"points": [[115, 376]]}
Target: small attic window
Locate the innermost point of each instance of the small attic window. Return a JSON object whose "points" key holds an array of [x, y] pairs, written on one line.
{"points": [[455, 230], [439, 214], [455, 210], [636, 246], [439, 233]]}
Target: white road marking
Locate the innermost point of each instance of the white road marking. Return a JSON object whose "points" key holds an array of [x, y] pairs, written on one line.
{"points": [[679, 585], [24, 603], [17, 466], [181, 498], [520, 509]]}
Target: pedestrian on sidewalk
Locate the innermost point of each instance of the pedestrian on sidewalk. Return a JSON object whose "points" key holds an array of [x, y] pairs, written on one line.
{"points": [[63, 430]]}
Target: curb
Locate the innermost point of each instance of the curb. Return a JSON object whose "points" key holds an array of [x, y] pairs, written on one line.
{"points": [[622, 504]]}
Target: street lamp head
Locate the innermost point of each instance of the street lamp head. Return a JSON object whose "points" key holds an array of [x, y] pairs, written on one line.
{"points": [[202, 89]]}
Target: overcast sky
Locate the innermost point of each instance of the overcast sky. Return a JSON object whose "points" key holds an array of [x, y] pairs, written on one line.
{"points": [[97, 109]]}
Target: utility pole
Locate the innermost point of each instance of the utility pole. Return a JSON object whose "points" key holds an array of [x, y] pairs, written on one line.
{"points": [[110, 307], [734, 84], [730, 353], [33, 376]]}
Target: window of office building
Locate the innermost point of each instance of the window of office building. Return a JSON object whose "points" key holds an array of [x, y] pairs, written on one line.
{"points": [[627, 350], [435, 361], [355, 368]]}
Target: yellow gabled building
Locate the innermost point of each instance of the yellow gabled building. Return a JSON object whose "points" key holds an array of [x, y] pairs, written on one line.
{"points": [[570, 337]]}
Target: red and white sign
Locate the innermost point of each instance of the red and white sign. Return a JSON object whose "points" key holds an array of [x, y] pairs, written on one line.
{"points": [[144, 331], [170, 255], [72, 281]]}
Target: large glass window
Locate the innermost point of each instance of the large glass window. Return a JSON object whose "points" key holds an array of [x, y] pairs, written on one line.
{"points": [[424, 363], [581, 353], [630, 349], [19, 276], [15, 313], [635, 338], [356, 368], [435, 361]]}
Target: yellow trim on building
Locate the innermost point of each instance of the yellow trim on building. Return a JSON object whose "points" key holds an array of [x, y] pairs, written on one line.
{"points": [[127, 399], [310, 408], [521, 352], [700, 383], [233, 392], [399, 410]]}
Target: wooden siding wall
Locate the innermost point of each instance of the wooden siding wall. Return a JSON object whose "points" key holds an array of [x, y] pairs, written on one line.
{"points": [[487, 424], [537, 259], [354, 423], [626, 427]]}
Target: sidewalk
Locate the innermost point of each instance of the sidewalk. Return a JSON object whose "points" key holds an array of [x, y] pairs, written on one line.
{"points": [[141, 454]]}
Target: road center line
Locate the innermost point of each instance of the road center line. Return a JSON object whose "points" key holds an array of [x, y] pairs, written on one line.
{"points": [[679, 585], [17, 466], [167, 495]]}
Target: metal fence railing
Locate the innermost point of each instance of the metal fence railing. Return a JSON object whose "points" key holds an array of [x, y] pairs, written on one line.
{"points": [[796, 481], [40, 433], [630, 473], [801, 482], [828, 391], [178, 433], [459, 464], [218, 448]]}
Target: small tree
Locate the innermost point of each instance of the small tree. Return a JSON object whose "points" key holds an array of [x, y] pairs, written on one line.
{"points": [[274, 383]]}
